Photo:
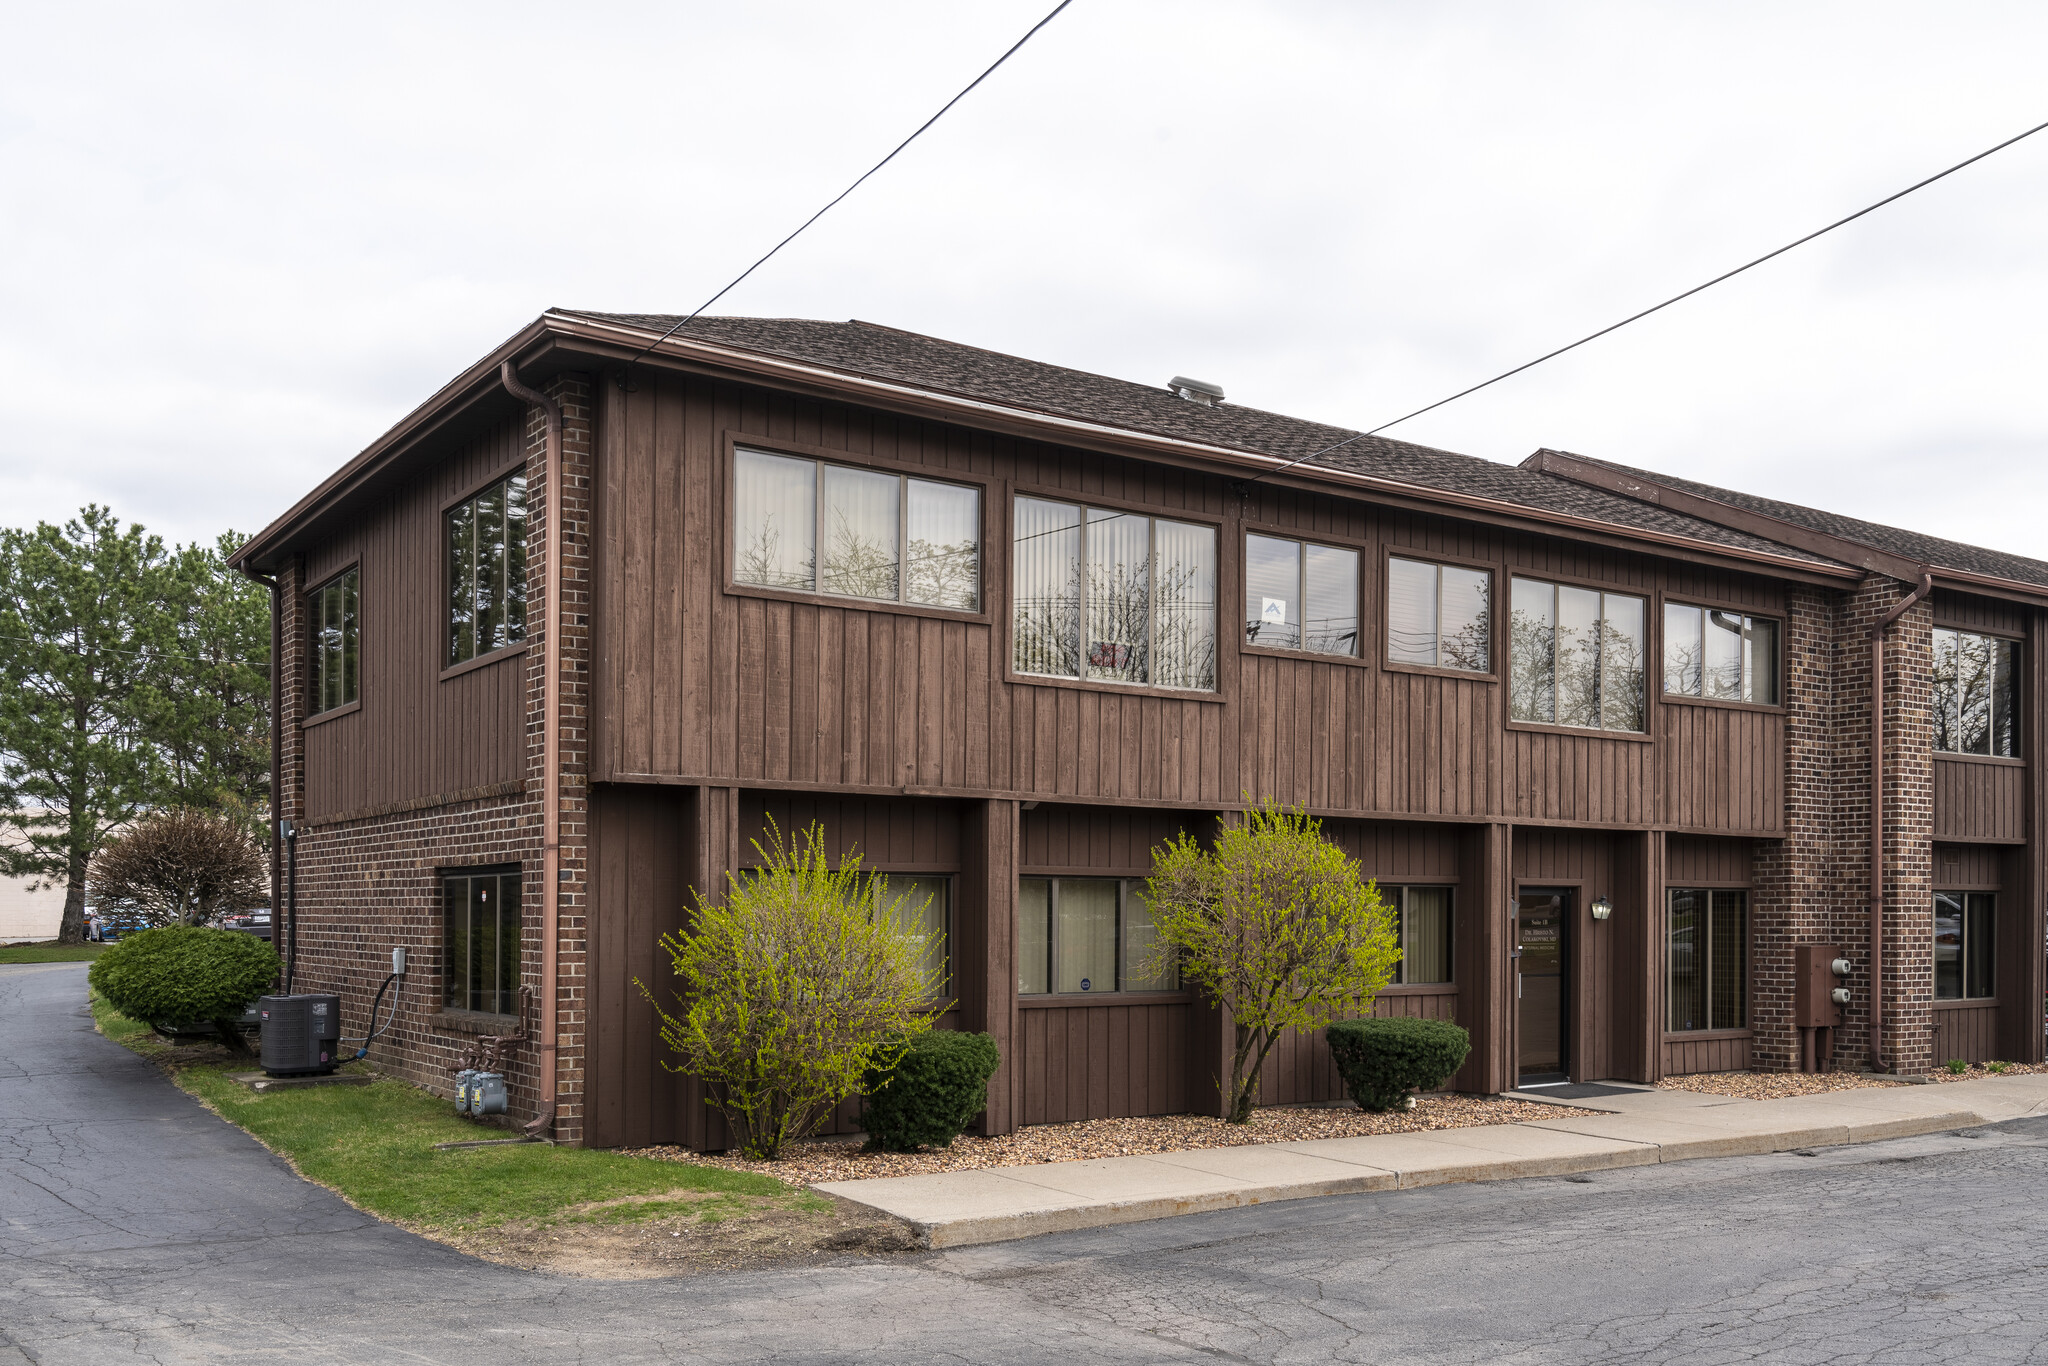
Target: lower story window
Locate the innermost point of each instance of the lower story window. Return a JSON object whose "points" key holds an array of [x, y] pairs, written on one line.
{"points": [[1964, 936], [918, 907], [1705, 959], [480, 940], [1087, 934], [1423, 915]]}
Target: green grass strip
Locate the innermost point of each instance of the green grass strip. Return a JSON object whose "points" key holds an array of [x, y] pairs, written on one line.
{"points": [[375, 1144], [49, 953]]}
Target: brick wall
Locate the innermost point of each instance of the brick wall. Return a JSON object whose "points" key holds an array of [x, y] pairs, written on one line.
{"points": [[1813, 886], [371, 884]]}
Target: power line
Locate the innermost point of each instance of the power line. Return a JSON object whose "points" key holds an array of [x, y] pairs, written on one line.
{"points": [[1031, 33], [1635, 317]]}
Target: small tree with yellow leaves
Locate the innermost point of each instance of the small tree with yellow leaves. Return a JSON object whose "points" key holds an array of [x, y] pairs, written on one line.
{"points": [[1277, 926], [793, 988]]}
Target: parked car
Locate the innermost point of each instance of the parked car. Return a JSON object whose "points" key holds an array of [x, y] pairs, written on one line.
{"points": [[250, 922], [113, 927]]}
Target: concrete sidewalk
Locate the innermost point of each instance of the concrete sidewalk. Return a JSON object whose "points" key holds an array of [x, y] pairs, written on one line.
{"points": [[1633, 1128]]}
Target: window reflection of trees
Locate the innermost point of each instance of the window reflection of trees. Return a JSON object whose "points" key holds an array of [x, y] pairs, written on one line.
{"points": [[1128, 619], [1590, 677]]}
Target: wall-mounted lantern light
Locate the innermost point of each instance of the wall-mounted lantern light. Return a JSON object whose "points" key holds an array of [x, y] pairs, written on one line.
{"points": [[1602, 908]]}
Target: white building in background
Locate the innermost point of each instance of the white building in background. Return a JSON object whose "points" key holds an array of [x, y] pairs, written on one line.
{"points": [[29, 915]]}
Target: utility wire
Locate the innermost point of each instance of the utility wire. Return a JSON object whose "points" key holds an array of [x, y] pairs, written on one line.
{"points": [[1635, 317], [1028, 36]]}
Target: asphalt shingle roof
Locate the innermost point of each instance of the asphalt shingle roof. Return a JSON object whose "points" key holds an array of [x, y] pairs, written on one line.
{"points": [[886, 353], [1928, 550]]}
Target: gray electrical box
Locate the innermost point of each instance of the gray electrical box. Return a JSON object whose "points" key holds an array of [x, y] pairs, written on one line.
{"points": [[301, 1034]]}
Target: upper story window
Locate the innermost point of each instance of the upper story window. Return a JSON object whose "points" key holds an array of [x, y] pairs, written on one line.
{"points": [[885, 537], [1575, 657], [1300, 596], [1976, 694], [487, 571], [1965, 942], [1114, 596], [335, 653], [1440, 615], [1726, 655]]}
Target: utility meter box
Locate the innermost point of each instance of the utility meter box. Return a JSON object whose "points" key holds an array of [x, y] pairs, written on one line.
{"points": [[1814, 983], [301, 1034]]}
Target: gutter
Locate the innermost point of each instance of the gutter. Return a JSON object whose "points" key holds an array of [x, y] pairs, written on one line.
{"points": [[1877, 634], [543, 1122]]}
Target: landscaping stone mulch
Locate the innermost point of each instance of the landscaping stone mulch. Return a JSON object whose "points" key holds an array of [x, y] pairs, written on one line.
{"points": [[1979, 1071], [1774, 1085], [808, 1163]]}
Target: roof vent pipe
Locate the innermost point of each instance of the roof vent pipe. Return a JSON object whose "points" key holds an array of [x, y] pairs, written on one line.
{"points": [[1196, 391]]}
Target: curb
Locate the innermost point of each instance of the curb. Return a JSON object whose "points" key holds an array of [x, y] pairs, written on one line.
{"points": [[1058, 1212]]}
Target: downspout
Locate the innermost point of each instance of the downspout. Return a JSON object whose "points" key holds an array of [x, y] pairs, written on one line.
{"points": [[276, 747], [1877, 814], [551, 751]]}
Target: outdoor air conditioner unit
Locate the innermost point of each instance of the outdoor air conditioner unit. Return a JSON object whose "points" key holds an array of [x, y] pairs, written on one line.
{"points": [[301, 1034]]}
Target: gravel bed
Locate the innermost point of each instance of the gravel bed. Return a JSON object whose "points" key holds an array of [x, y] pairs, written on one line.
{"points": [[1978, 1071], [1774, 1085], [807, 1163]]}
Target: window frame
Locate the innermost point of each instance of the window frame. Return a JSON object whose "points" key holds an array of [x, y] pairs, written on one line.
{"points": [[1965, 1000], [442, 876], [1040, 1000], [1734, 609], [503, 652], [1272, 532], [1653, 652], [1449, 984], [733, 441], [1742, 1031], [1383, 619], [311, 599], [1229, 566], [2020, 660]]}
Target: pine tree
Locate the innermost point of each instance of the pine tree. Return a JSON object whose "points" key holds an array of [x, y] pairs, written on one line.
{"points": [[86, 620]]}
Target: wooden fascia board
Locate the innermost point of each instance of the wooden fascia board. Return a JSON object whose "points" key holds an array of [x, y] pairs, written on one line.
{"points": [[621, 342], [450, 402], [1877, 561], [1725, 514]]}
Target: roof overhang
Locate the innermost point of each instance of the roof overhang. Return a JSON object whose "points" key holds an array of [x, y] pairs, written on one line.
{"points": [[558, 340], [1872, 559]]}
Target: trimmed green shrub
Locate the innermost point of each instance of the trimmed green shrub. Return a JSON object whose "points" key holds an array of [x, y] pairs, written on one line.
{"points": [[183, 974], [935, 1090], [1381, 1061]]}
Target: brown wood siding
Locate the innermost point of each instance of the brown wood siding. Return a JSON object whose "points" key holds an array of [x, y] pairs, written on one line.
{"points": [[905, 835], [1692, 861], [1976, 800], [1968, 612], [1091, 840], [1102, 1062], [1966, 1030], [1723, 768], [699, 682], [638, 871], [1970, 867], [416, 735], [1725, 1053]]}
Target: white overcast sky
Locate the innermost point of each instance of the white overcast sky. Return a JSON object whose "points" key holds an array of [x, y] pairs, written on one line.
{"points": [[238, 242]]}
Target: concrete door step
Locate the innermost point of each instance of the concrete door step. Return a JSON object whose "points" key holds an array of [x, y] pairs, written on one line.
{"points": [[956, 1209]]}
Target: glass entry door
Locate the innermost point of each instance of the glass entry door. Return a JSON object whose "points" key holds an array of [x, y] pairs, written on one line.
{"points": [[1542, 925]]}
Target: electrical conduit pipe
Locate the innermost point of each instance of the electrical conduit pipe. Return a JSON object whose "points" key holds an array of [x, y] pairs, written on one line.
{"points": [[1877, 633], [551, 749]]}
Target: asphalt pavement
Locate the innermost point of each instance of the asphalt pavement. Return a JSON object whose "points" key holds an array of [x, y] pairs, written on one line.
{"points": [[136, 1226]]}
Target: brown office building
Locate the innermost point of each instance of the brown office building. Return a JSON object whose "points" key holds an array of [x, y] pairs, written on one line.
{"points": [[559, 645]]}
